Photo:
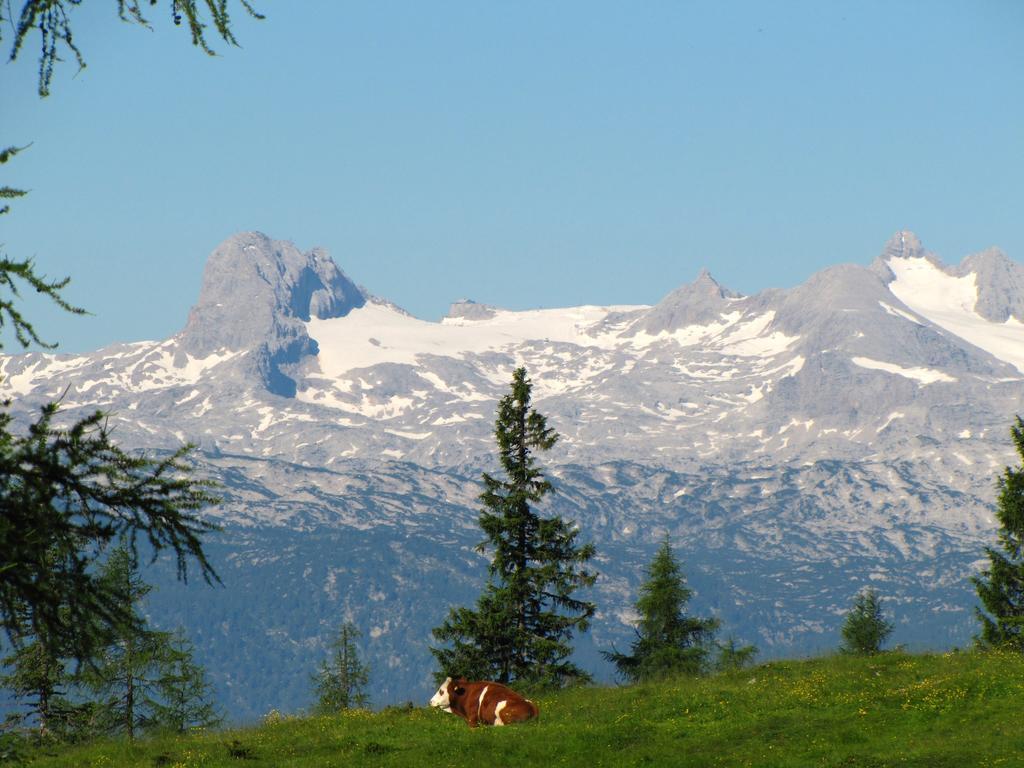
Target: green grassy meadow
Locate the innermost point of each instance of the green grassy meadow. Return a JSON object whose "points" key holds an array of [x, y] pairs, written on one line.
{"points": [[955, 710]]}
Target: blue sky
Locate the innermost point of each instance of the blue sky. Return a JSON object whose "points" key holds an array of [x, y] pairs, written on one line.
{"points": [[523, 154]]}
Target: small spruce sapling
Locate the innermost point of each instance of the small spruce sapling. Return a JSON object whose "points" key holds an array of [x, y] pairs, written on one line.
{"points": [[341, 681], [866, 628], [38, 680], [732, 656], [668, 641], [126, 675], [185, 696]]}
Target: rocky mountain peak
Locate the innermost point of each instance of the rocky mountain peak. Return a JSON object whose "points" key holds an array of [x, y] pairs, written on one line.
{"points": [[255, 287], [903, 245], [467, 309], [1000, 284], [989, 260], [707, 284], [257, 294], [697, 303]]}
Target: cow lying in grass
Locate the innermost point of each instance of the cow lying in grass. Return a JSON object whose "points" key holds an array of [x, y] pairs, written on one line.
{"points": [[483, 702]]}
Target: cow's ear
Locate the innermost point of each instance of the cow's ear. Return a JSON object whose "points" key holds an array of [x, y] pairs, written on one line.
{"points": [[459, 690]]}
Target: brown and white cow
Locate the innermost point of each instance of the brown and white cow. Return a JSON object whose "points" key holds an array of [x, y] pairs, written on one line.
{"points": [[483, 702]]}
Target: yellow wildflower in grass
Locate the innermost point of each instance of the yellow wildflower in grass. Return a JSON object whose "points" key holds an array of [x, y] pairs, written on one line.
{"points": [[273, 717]]}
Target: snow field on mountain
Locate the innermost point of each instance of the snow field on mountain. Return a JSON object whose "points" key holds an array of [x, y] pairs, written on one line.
{"points": [[566, 349], [137, 367], [949, 302], [377, 333], [920, 375], [401, 387], [733, 334]]}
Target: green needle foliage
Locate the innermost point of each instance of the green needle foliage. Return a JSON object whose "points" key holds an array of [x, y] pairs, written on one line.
{"points": [[668, 641], [51, 18], [866, 628], [341, 681], [44, 686], [525, 618], [68, 492], [733, 656], [11, 272], [139, 679], [65, 494], [185, 696], [9, 193], [1000, 587], [38, 679], [127, 675]]}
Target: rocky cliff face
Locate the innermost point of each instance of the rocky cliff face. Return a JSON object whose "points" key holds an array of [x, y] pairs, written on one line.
{"points": [[701, 302], [256, 297], [796, 445], [1000, 284]]}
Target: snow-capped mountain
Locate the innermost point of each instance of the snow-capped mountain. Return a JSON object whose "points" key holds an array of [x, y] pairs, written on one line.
{"points": [[797, 444]]}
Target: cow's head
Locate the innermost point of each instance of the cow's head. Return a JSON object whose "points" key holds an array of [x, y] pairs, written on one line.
{"points": [[449, 689]]}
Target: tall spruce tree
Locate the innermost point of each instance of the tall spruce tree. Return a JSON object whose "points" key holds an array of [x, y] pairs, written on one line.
{"points": [[341, 681], [866, 628], [1000, 587], [526, 616], [127, 675], [668, 641]]}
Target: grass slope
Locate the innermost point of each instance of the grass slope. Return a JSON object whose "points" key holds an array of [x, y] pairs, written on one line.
{"points": [[956, 710]]}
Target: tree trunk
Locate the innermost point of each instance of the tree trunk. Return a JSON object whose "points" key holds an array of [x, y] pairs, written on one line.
{"points": [[129, 699], [44, 698]]}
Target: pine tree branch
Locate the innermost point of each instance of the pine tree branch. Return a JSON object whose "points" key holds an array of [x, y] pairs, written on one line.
{"points": [[51, 18], [65, 494], [24, 331], [10, 193]]}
